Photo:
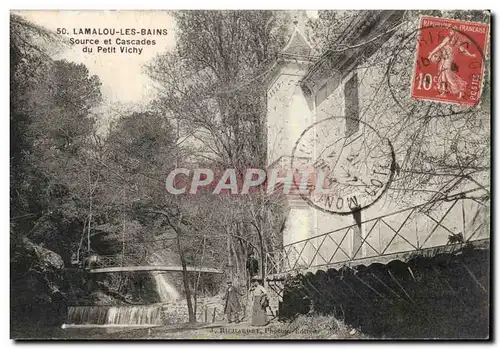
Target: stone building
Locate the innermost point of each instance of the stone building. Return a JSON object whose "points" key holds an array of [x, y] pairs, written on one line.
{"points": [[304, 91]]}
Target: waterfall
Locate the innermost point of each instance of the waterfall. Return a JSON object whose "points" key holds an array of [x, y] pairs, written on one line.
{"points": [[165, 290], [115, 315], [143, 315]]}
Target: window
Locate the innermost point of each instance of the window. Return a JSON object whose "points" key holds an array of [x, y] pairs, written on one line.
{"points": [[351, 106]]}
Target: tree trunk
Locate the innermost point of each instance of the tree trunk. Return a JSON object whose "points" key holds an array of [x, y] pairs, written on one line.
{"points": [[262, 256], [185, 279], [228, 251], [197, 282], [236, 258], [185, 276]]}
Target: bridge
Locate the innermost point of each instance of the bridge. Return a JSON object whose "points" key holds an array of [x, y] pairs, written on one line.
{"points": [[434, 227], [153, 268], [117, 263]]}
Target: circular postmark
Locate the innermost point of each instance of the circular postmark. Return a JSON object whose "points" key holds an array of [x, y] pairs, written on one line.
{"points": [[352, 165]]}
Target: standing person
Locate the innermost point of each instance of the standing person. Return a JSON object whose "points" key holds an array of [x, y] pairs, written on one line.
{"points": [[260, 303], [232, 306], [252, 267]]}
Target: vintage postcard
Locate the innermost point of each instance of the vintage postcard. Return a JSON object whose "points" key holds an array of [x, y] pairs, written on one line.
{"points": [[250, 174]]}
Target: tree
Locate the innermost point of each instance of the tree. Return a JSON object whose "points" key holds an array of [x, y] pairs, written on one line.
{"points": [[141, 151], [62, 129], [51, 128], [213, 86], [28, 61], [212, 82]]}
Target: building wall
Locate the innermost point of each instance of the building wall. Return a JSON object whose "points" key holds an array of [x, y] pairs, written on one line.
{"points": [[290, 111]]}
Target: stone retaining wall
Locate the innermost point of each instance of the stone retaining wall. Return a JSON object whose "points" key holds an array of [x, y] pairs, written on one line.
{"points": [[445, 296]]}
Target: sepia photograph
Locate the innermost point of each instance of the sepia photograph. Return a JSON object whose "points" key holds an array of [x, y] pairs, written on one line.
{"points": [[250, 174]]}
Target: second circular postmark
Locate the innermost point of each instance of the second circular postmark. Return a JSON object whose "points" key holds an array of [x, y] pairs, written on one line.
{"points": [[351, 165]]}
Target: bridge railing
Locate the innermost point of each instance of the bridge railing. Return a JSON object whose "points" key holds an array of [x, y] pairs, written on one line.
{"points": [[107, 261], [457, 219], [275, 262]]}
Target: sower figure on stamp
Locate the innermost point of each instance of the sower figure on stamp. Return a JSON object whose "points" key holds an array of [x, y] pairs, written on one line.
{"points": [[252, 267], [444, 55], [232, 307], [260, 303]]}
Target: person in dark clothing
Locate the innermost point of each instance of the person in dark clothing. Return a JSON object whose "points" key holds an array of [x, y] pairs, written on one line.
{"points": [[252, 266], [232, 307]]}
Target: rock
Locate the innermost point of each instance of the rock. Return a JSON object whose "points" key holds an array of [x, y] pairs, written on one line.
{"points": [[45, 258], [48, 258]]}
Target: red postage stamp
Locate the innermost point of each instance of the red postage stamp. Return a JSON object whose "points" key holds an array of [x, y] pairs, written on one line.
{"points": [[450, 60]]}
